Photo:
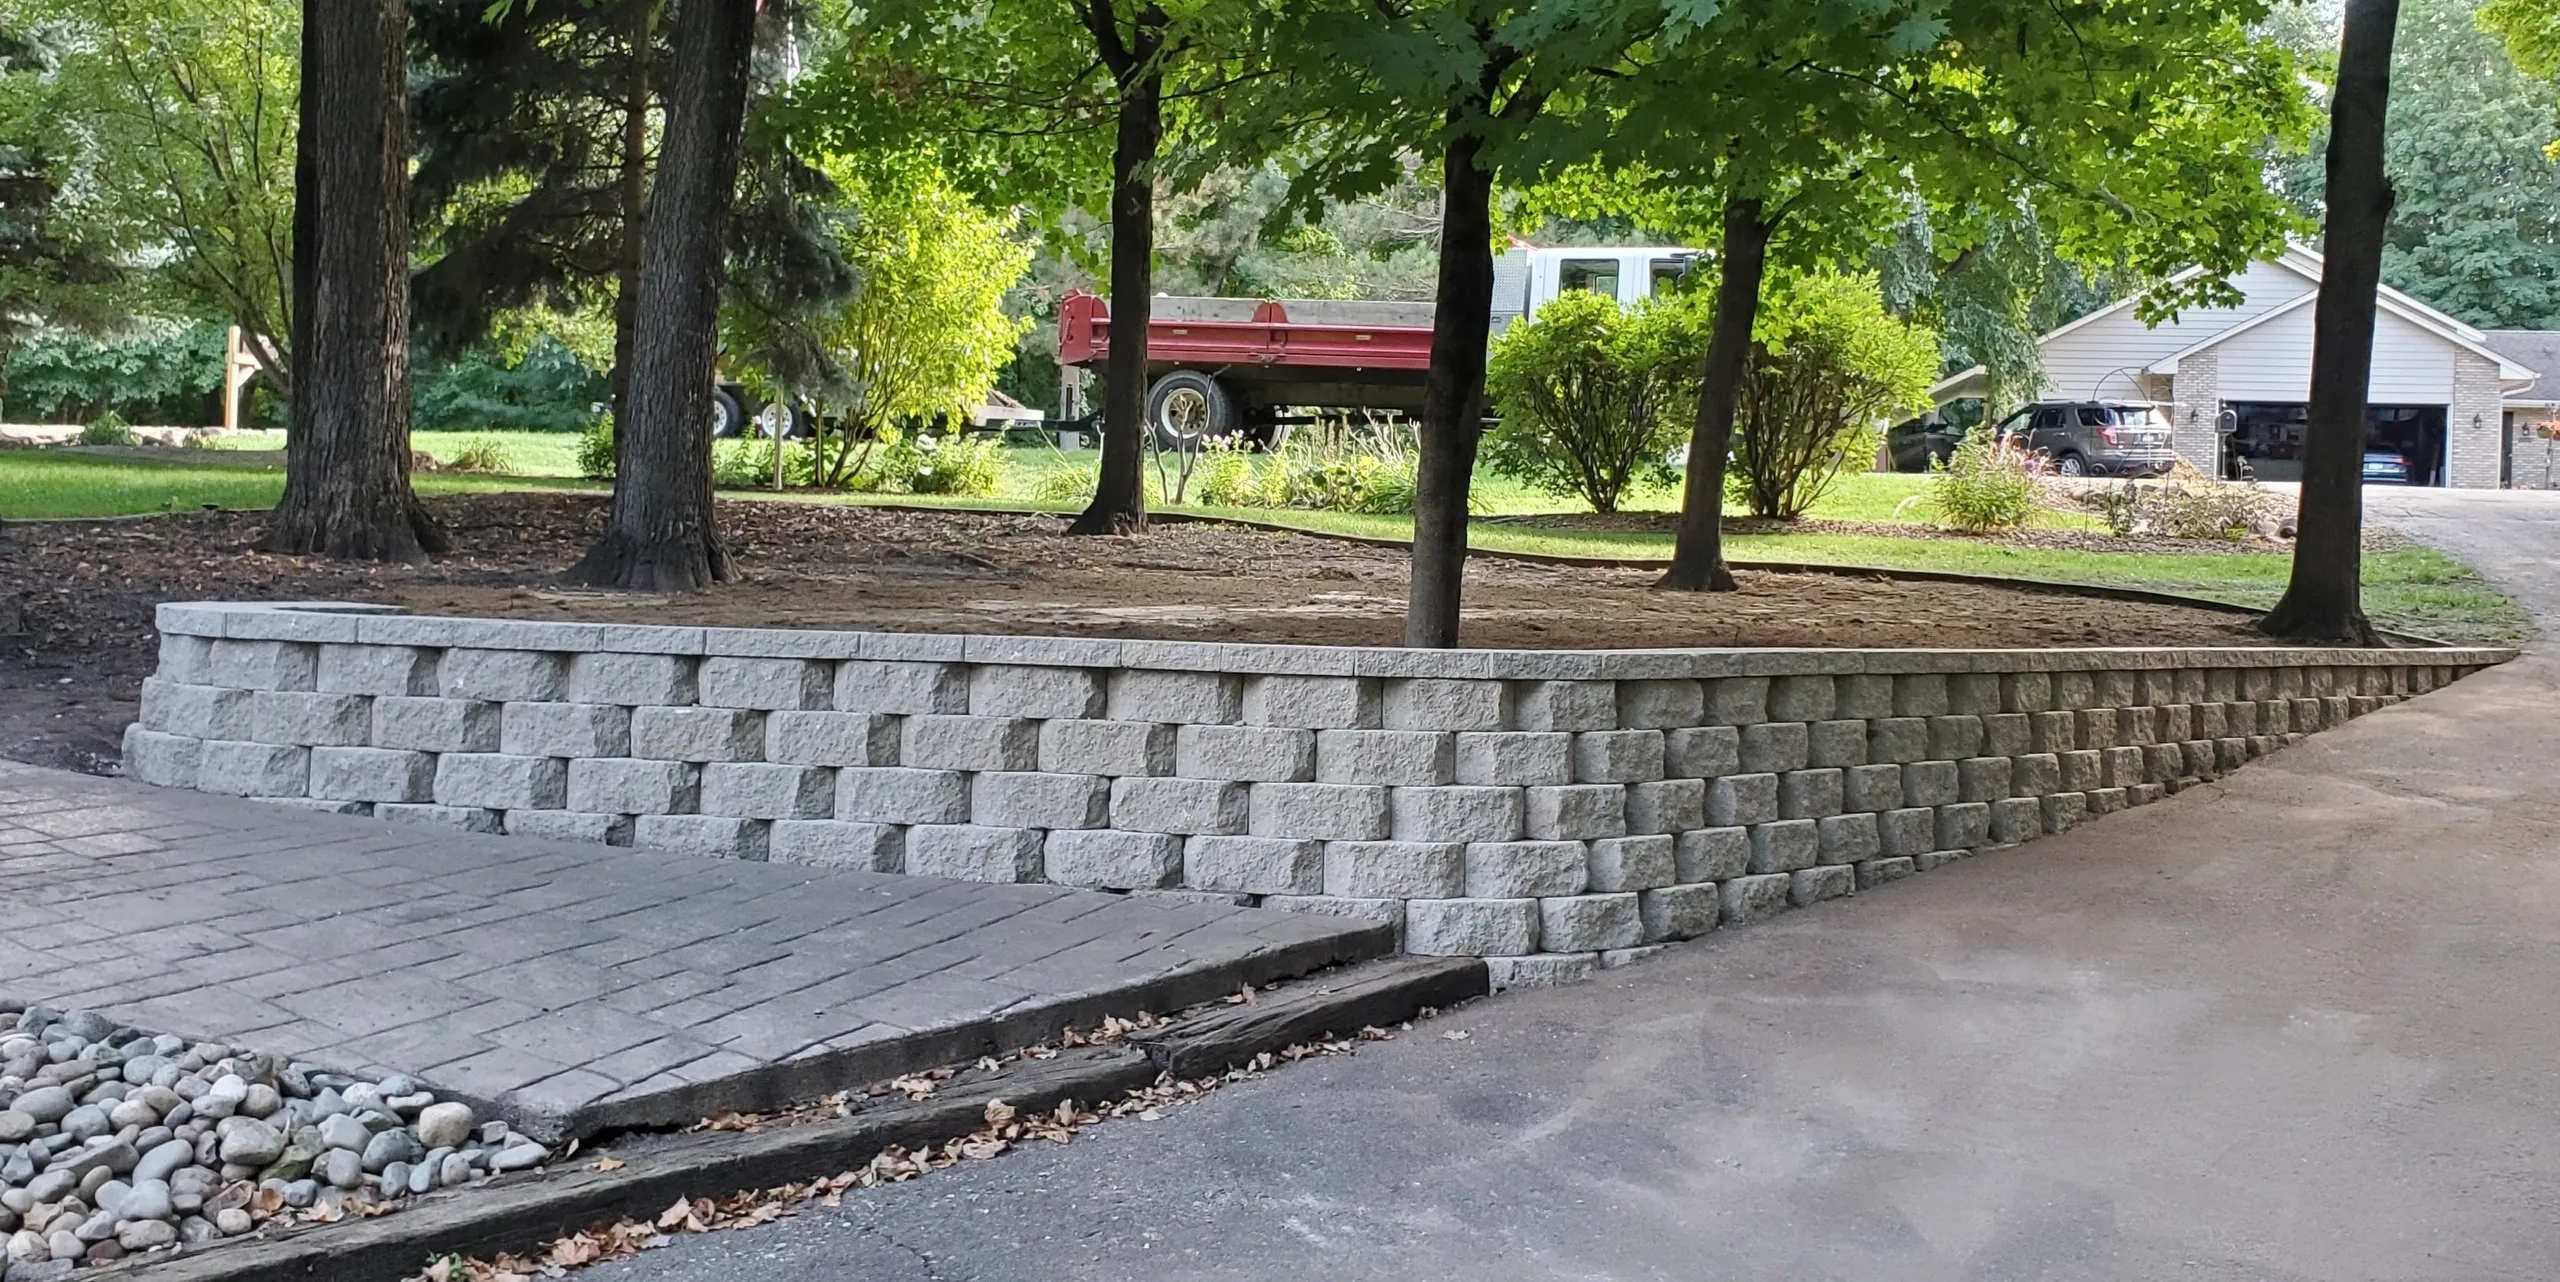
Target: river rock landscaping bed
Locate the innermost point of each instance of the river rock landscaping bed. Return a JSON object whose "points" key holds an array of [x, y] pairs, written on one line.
{"points": [[115, 1142]]}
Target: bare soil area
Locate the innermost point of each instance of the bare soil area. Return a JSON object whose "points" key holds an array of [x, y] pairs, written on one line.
{"points": [[75, 597]]}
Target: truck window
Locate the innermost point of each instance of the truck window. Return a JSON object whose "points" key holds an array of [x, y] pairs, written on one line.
{"points": [[1666, 274], [1599, 275]]}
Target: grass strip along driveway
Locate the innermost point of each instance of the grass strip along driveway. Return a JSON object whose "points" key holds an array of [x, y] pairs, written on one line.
{"points": [[2408, 587]]}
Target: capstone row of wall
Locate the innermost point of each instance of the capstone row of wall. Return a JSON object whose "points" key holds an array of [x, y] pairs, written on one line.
{"points": [[1553, 811]]}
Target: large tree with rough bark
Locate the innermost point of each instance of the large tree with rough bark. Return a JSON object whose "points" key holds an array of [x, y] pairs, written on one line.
{"points": [[347, 488], [659, 534], [2324, 599]]}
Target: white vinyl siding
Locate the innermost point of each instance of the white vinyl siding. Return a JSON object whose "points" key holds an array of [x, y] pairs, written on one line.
{"points": [[2103, 357], [2273, 362]]}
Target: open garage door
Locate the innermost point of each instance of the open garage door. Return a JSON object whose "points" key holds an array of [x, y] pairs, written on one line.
{"points": [[2403, 444]]}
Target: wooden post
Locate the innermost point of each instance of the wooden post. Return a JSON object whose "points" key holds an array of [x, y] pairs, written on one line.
{"points": [[234, 355]]}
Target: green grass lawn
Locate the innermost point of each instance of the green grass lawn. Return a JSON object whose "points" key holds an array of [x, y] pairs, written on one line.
{"points": [[2414, 589], [525, 453]]}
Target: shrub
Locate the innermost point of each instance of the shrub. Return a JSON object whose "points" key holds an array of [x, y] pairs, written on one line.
{"points": [[1827, 366], [958, 465], [108, 429], [1064, 485], [485, 454], [1594, 399], [2203, 509], [747, 464], [1986, 486], [595, 450]]}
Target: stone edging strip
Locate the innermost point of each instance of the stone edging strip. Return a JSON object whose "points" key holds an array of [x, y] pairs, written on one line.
{"points": [[517, 1214]]}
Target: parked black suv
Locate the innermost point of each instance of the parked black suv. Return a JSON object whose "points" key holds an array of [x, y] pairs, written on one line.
{"points": [[2081, 438]]}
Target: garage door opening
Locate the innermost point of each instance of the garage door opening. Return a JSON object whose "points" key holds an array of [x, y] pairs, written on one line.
{"points": [[2403, 444]]}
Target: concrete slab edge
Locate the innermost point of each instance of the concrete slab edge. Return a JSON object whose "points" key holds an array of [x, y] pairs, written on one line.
{"points": [[519, 1214]]}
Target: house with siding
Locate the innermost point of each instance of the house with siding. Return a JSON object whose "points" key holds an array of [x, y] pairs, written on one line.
{"points": [[2449, 399]]}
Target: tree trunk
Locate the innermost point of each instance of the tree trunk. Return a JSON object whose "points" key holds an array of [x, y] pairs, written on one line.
{"points": [[659, 537], [346, 490], [1697, 560], [633, 193], [2323, 602], [1120, 491], [1452, 397]]}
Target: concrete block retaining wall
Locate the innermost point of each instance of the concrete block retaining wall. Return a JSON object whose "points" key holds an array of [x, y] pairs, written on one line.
{"points": [[1554, 810]]}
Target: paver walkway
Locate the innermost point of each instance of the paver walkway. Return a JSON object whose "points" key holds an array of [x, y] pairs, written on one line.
{"points": [[572, 986]]}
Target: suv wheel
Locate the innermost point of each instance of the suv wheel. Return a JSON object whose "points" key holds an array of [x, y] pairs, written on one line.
{"points": [[2071, 464]]}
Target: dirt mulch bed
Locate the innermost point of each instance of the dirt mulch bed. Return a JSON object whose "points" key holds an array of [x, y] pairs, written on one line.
{"points": [[76, 597]]}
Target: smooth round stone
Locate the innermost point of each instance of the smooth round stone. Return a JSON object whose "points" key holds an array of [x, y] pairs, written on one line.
{"points": [[142, 1068], [111, 1196], [327, 1103], [187, 1202], [231, 1221], [45, 1104], [422, 1177], [293, 1164], [151, 1137], [149, 1200], [454, 1170], [65, 1245], [251, 1142], [106, 1252], [395, 1179], [16, 1127], [97, 1178], [54, 1185], [341, 1131], [146, 1235], [445, 1125], [86, 1123], [180, 1116], [391, 1146], [191, 1088], [27, 1247], [521, 1157], [195, 1230], [97, 1228], [362, 1096], [132, 1112], [300, 1193], [262, 1101], [163, 1160], [396, 1085], [344, 1169]]}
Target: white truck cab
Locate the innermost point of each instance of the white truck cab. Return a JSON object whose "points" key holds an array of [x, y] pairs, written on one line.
{"points": [[1526, 277]]}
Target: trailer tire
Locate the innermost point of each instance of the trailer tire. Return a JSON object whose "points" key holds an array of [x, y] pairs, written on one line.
{"points": [[728, 417], [1186, 408]]}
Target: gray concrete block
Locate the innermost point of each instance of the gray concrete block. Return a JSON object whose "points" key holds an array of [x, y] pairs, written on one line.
{"points": [[2029, 692], [2242, 718], [697, 734], [665, 680], [2173, 723], [1185, 806], [1836, 743], [968, 852], [2275, 717], [1112, 859], [1576, 812], [502, 676], [2035, 774], [969, 743], [1565, 705], [1321, 811], [1514, 759], [2006, 734], [1813, 885], [2055, 732], [764, 685], [1589, 923], [1617, 756], [2207, 720], [712, 836], [1395, 869], [1313, 703], [836, 843], [1735, 800], [1661, 705], [2079, 771], [1803, 698], [831, 738], [1748, 900], [1898, 739], [1009, 690], [187, 660], [564, 730], [1964, 825], [372, 774], [1982, 778], [1701, 752], [1253, 865], [1973, 693], [198, 712], [164, 760], [1849, 839], [1434, 703], [1634, 863], [1458, 813], [894, 686], [2124, 767], [242, 769], [2139, 726], [498, 781], [1875, 788], [1188, 698], [1666, 806], [570, 825], [1711, 854], [2098, 728], [1526, 869], [308, 719], [1679, 912], [463, 818], [1865, 696], [1955, 737], [1737, 701], [1540, 970], [2016, 819], [1404, 758], [2165, 762], [2064, 811], [631, 786], [2103, 801], [1785, 846], [756, 790], [1937, 859], [1471, 927], [261, 665], [1907, 832], [1775, 747], [376, 669], [1876, 872], [1036, 799], [901, 795], [1920, 694], [435, 725], [1141, 748], [1930, 783], [1260, 754], [1809, 794]]}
